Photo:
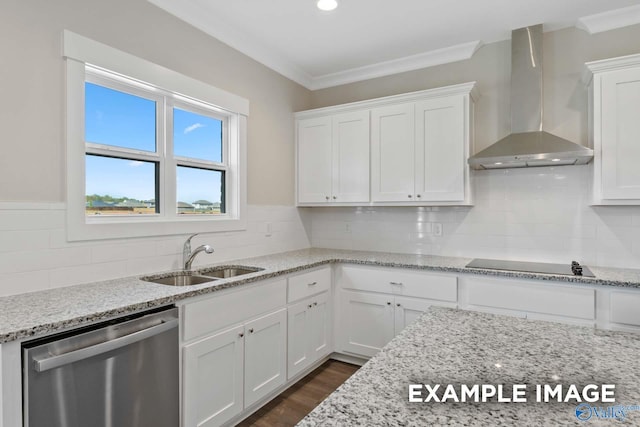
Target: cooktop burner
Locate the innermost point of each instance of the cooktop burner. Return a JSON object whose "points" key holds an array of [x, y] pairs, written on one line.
{"points": [[568, 269]]}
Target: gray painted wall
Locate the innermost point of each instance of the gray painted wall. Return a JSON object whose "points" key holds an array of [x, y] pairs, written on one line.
{"points": [[32, 78]]}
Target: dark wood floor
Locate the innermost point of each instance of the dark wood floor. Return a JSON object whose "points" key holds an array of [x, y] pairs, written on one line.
{"points": [[300, 399]]}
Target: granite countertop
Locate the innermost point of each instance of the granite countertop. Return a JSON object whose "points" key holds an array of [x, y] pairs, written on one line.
{"points": [[449, 346], [39, 313]]}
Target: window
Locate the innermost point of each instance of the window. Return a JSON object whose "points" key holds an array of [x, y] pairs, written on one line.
{"points": [[149, 153]]}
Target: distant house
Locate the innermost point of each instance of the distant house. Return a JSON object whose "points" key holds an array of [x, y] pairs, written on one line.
{"points": [[184, 207], [151, 203], [131, 204], [203, 204], [97, 204]]}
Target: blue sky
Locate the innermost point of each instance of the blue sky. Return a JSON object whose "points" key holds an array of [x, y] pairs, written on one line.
{"points": [[123, 120]]}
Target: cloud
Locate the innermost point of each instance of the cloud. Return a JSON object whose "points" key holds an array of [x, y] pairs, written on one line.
{"points": [[135, 163], [193, 127]]}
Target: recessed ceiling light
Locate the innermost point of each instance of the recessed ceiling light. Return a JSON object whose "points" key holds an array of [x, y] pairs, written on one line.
{"points": [[327, 5]]}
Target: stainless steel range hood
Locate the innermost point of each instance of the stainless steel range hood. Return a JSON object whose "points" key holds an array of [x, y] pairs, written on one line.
{"points": [[528, 145]]}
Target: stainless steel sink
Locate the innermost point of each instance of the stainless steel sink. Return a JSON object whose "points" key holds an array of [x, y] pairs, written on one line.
{"points": [[224, 272], [179, 278], [205, 275]]}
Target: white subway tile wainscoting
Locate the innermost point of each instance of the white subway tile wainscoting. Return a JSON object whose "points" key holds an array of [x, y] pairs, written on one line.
{"points": [[35, 255], [534, 214]]}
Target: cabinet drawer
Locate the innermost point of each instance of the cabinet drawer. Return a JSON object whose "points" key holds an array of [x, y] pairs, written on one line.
{"points": [[309, 283], [401, 282], [555, 300], [214, 313], [624, 308]]}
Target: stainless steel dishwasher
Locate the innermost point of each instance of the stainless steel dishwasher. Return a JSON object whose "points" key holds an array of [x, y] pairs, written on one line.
{"points": [[122, 373]]}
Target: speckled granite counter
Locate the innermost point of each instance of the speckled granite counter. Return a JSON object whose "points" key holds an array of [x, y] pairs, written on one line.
{"points": [[38, 313], [447, 346]]}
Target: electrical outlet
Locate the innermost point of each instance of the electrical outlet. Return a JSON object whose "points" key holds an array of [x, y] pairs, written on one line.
{"points": [[269, 229], [437, 229]]}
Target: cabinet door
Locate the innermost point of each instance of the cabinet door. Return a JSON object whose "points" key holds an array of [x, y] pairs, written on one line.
{"points": [[620, 134], [213, 378], [440, 149], [314, 160], [265, 355], [366, 322], [392, 153], [320, 329], [299, 338], [407, 310], [350, 164]]}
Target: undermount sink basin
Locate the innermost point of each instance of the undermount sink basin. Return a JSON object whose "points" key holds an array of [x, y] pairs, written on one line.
{"points": [[178, 278], [224, 272], [205, 275]]}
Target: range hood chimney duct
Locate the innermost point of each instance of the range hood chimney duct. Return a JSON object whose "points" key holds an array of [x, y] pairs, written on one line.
{"points": [[528, 145]]}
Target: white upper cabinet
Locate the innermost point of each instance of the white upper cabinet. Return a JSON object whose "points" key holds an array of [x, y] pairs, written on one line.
{"points": [[350, 146], [333, 159], [393, 153], [314, 160], [615, 130], [400, 150], [441, 149]]}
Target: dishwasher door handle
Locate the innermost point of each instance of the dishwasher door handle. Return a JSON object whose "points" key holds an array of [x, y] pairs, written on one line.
{"points": [[44, 364]]}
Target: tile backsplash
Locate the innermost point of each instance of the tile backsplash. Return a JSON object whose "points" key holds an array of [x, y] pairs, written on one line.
{"points": [[35, 255], [535, 214]]}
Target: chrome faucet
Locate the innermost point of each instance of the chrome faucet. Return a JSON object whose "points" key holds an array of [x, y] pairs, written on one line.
{"points": [[188, 256]]}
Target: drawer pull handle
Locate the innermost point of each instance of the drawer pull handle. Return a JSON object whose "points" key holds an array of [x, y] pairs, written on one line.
{"points": [[312, 283], [388, 303], [398, 304], [396, 283], [251, 330]]}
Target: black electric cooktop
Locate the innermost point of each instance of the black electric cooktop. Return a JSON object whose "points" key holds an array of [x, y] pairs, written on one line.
{"points": [[569, 269]]}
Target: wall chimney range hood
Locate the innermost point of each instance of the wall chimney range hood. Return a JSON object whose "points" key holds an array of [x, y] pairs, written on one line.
{"points": [[528, 145]]}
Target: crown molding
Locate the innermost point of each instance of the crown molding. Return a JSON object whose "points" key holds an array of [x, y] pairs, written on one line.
{"points": [[610, 20], [207, 22], [432, 58], [201, 18], [458, 89]]}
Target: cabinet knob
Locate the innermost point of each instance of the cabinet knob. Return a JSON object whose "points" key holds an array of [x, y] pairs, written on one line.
{"points": [[315, 303], [310, 305], [410, 196], [326, 197], [251, 330], [334, 197], [241, 334], [418, 196], [398, 304], [388, 303]]}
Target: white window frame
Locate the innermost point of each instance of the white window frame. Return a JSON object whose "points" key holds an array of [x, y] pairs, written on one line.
{"points": [[183, 92]]}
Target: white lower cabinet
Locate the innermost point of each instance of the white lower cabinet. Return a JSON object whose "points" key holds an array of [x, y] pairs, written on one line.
{"points": [[309, 332], [529, 299], [369, 321], [265, 366], [233, 369], [228, 367], [214, 378]]}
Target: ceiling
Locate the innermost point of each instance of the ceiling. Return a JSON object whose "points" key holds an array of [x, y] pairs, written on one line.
{"points": [[363, 39]]}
